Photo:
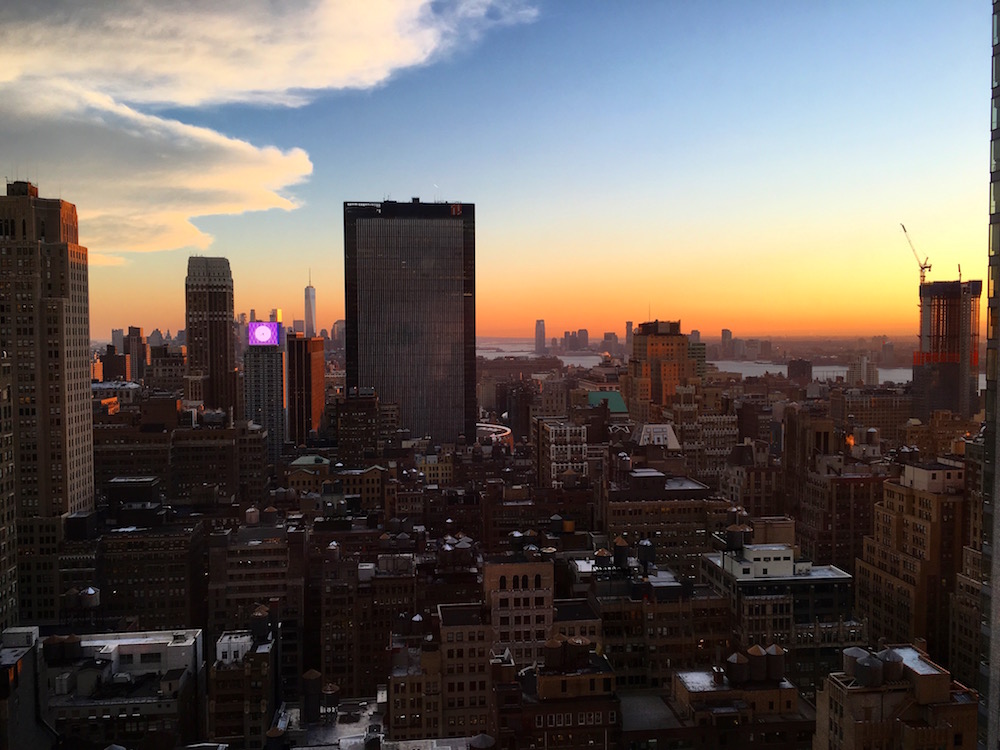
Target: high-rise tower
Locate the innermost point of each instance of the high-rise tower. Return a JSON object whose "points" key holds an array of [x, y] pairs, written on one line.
{"points": [[306, 386], [264, 383], [211, 344], [9, 605], [410, 277], [310, 299], [989, 704], [946, 367], [659, 362], [540, 337], [135, 346], [45, 329]]}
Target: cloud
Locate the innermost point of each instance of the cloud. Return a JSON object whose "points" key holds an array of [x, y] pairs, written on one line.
{"points": [[84, 85]]}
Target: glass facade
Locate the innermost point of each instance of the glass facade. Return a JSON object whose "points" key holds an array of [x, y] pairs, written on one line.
{"points": [[410, 299]]}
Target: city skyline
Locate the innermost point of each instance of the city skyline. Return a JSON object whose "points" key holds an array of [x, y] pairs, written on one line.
{"points": [[786, 175]]}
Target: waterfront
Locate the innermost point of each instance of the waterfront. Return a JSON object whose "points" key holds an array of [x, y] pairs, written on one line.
{"points": [[491, 348]]}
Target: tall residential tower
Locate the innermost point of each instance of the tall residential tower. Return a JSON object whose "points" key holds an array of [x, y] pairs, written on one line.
{"points": [[410, 277], [45, 329], [211, 342]]}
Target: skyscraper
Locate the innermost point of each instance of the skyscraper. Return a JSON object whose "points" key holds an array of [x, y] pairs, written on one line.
{"points": [[659, 362], [727, 343], [310, 299], [264, 383], [8, 497], [45, 329], [410, 278], [989, 705], [306, 386], [211, 345], [138, 352], [946, 367], [539, 337]]}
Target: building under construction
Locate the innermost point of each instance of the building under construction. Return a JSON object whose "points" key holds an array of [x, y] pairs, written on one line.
{"points": [[946, 366]]}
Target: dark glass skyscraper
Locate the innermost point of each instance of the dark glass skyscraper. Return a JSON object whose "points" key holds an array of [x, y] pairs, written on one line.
{"points": [[410, 278], [305, 386], [989, 704]]}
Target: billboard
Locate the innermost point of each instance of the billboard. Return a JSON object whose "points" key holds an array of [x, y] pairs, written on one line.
{"points": [[264, 334]]}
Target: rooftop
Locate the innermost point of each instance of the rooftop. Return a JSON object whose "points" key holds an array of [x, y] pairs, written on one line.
{"points": [[614, 400], [703, 681], [642, 713], [570, 610], [461, 614]]}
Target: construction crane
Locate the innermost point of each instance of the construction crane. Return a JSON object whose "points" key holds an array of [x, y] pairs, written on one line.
{"points": [[925, 266]]}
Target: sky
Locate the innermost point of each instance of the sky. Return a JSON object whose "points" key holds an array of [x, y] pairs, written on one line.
{"points": [[728, 164]]}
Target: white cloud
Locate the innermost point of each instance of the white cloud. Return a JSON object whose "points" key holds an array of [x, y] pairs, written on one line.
{"points": [[82, 84]]}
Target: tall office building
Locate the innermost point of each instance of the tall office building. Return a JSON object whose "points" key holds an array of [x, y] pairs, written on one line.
{"points": [[306, 386], [211, 344], [264, 384], [8, 497], [310, 300], [138, 353], [410, 277], [946, 367], [539, 337], [659, 362], [989, 687], [906, 574], [727, 343], [45, 329], [337, 331], [862, 371]]}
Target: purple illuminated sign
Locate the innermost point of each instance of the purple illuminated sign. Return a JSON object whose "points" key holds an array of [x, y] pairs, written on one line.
{"points": [[264, 334]]}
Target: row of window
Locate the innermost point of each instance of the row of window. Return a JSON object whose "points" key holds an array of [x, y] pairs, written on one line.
{"points": [[583, 718]]}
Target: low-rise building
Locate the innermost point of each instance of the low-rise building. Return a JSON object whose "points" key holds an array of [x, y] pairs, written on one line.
{"points": [[126, 687], [749, 703], [895, 699], [677, 513], [777, 597]]}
